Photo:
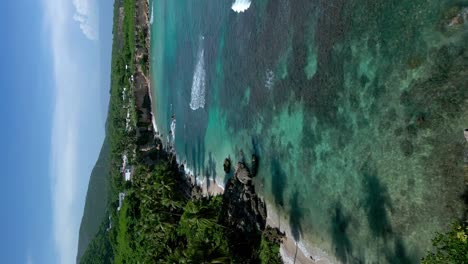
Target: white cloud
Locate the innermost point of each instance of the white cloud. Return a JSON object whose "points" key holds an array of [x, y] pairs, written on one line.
{"points": [[86, 16], [74, 86]]}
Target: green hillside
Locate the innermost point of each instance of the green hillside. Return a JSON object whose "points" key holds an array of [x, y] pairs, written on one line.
{"points": [[93, 244], [96, 200]]}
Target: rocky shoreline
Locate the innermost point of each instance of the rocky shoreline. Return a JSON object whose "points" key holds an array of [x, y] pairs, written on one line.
{"points": [[142, 87], [242, 209]]}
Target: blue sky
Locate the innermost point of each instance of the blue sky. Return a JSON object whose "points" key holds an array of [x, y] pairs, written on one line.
{"points": [[55, 72]]}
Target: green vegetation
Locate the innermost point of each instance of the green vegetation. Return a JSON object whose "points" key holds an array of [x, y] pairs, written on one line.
{"points": [[99, 250], [96, 202], [105, 181], [156, 223], [269, 252], [451, 247]]}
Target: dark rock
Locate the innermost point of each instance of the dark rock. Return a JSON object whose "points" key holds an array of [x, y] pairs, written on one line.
{"points": [[243, 210], [243, 174], [274, 235], [227, 165], [254, 165]]}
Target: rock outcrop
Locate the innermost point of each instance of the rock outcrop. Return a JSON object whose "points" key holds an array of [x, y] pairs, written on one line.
{"points": [[243, 210]]}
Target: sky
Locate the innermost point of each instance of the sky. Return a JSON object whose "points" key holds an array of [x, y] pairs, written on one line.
{"points": [[54, 77]]}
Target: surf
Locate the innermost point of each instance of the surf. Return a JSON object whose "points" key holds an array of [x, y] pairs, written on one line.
{"points": [[240, 6], [197, 99], [152, 14]]}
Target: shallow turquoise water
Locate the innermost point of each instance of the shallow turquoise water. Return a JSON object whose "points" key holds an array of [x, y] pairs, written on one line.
{"points": [[355, 108]]}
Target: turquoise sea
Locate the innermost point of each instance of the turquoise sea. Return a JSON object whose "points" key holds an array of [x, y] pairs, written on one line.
{"points": [[356, 109]]}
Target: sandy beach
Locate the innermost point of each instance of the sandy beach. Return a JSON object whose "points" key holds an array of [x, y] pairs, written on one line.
{"points": [[290, 250], [295, 252]]}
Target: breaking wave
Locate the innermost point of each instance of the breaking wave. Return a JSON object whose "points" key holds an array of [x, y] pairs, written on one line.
{"points": [[199, 80], [152, 14], [240, 6], [173, 127]]}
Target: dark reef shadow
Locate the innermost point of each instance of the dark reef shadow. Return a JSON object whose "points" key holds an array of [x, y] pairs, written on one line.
{"points": [[255, 145], [399, 254], [340, 239], [278, 182], [376, 202], [296, 215]]}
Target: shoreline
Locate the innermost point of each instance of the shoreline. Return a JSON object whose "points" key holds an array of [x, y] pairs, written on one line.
{"points": [[150, 76], [210, 187], [298, 252], [290, 250]]}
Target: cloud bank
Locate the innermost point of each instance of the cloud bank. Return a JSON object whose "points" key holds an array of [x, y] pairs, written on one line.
{"points": [[86, 16], [75, 84]]}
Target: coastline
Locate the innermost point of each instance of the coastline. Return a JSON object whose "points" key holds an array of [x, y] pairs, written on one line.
{"points": [[290, 250], [208, 187], [150, 77]]}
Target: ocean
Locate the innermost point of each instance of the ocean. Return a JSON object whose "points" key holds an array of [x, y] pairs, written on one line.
{"points": [[355, 108]]}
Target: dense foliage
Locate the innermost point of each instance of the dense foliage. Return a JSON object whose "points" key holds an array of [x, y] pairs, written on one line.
{"points": [[269, 252], [156, 224], [99, 251], [96, 201], [451, 247]]}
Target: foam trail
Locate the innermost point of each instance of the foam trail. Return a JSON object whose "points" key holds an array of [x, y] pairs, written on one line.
{"points": [[199, 82], [200, 180], [173, 127], [152, 14], [240, 6], [153, 118], [221, 186]]}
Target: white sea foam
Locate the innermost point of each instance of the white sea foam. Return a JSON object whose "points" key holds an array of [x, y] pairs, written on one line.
{"points": [[153, 118], [288, 259], [240, 6], [199, 180], [285, 257], [303, 249], [269, 79], [173, 127], [152, 14], [199, 80], [221, 186]]}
